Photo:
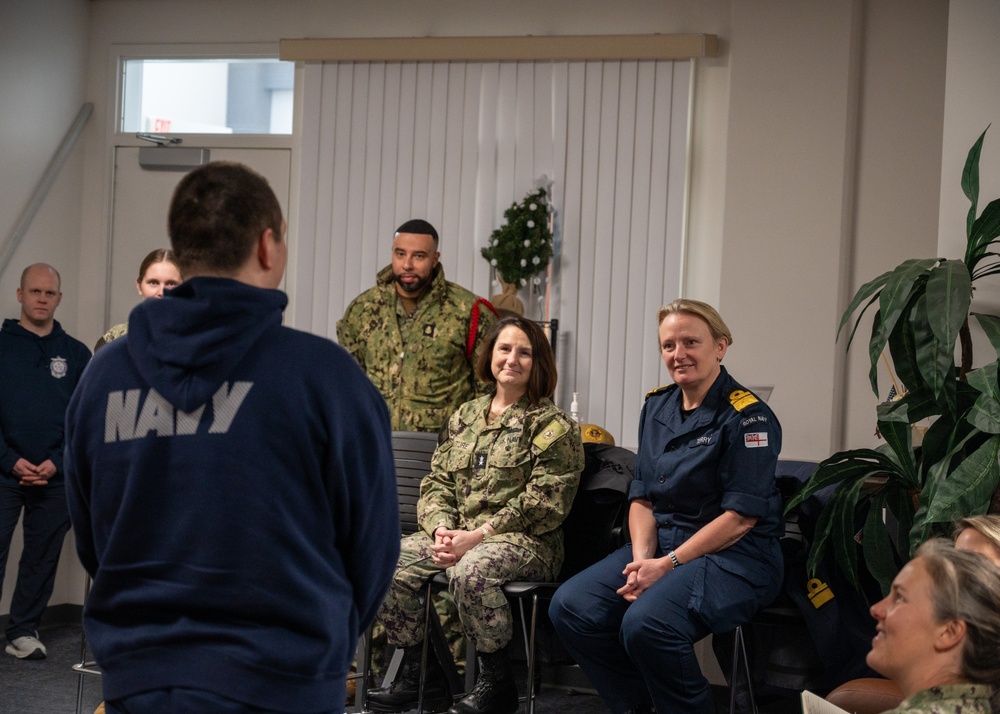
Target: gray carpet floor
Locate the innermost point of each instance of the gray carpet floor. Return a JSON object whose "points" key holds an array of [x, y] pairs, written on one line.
{"points": [[50, 686]]}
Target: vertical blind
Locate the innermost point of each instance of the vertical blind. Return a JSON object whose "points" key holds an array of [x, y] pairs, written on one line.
{"points": [[456, 143]]}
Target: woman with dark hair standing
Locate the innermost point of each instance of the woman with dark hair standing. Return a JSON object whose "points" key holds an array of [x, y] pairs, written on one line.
{"points": [[501, 484]]}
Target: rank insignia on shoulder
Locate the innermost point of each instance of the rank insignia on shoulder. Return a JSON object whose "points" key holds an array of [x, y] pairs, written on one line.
{"points": [[658, 390], [741, 399], [552, 431]]}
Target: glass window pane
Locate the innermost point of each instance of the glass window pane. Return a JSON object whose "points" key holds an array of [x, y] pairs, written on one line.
{"points": [[208, 96]]}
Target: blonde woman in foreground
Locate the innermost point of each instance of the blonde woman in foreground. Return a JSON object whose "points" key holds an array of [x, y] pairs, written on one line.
{"points": [[938, 632]]}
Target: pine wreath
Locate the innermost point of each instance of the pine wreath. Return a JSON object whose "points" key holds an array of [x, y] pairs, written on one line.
{"points": [[522, 246]]}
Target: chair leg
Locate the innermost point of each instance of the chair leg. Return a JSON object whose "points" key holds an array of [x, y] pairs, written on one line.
{"points": [[531, 653], [739, 649], [423, 650], [361, 698]]}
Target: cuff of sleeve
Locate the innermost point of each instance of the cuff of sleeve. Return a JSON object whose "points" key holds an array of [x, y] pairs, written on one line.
{"points": [[637, 490], [745, 504]]}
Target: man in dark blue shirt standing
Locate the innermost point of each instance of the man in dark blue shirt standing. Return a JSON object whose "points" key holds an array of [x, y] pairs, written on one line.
{"points": [[230, 480], [40, 366]]}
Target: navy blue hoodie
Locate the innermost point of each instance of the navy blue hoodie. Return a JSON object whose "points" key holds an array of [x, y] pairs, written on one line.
{"points": [[37, 379], [232, 488]]}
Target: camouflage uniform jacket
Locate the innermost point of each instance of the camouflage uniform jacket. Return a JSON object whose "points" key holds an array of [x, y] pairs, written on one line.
{"points": [[518, 474], [111, 335], [418, 363], [948, 699]]}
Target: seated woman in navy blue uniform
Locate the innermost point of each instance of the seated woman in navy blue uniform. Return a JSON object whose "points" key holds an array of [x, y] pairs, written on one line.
{"points": [[705, 519]]}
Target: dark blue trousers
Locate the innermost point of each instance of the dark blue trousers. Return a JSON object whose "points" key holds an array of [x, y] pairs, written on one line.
{"points": [[46, 520], [186, 701], [635, 651]]}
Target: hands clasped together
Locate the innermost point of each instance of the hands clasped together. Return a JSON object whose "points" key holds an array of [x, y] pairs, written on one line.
{"points": [[30, 475], [641, 574], [450, 545]]}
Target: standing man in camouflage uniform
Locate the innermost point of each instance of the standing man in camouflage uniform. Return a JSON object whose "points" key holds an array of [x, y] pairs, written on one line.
{"points": [[490, 511], [416, 335]]}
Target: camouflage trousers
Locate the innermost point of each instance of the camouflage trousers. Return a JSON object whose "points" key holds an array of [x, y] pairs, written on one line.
{"points": [[474, 583]]}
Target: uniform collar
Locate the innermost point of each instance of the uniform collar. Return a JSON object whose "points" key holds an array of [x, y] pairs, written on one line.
{"points": [[511, 416], [669, 412]]}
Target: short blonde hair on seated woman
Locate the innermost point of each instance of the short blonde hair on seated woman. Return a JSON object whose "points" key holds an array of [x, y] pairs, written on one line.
{"points": [[711, 316], [966, 587], [989, 526]]}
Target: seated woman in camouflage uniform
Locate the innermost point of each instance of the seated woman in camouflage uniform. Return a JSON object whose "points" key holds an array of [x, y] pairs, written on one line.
{"points": [[501, 484], [938, 632]]}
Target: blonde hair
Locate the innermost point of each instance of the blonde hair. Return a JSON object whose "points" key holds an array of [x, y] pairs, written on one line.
{"points": [[989, 526], [966, 586], [707, 313]]}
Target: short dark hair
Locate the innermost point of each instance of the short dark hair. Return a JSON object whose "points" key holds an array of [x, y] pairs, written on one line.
{"points": [[217, 213], [418, 226], [543, 376], [160, 255]]}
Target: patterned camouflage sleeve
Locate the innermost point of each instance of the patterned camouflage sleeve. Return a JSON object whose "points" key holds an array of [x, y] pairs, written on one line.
{"points": [[437, 506], [347, 334], [555, 477]]}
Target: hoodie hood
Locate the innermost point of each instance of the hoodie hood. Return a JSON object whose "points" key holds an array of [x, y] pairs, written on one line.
{"points": [[186, 344], [13, 326]]}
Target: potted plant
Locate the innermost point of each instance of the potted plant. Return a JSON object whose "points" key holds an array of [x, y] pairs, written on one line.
{"points": [[905, 492]]}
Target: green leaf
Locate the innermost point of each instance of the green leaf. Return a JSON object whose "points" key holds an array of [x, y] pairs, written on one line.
{"points": [[857, 323], [864, 292], [949, 293], [984, 230], [991, 327], [880, 556], [845, 547], [903, 350], [970, 182], [904, 283], [898, 437], [968, 488], [899, 501], [985, 413], [844, 466], [935, 359]]}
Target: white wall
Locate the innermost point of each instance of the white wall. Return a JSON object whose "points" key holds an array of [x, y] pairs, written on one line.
{"points": [[832, 176]]}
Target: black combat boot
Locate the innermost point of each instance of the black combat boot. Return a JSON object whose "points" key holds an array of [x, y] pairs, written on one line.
{"points": [[495, 691], [403, 693]]}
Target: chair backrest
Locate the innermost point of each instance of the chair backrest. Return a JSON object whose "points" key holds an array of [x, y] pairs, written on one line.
{"points": [[599, 507], [412, 452]]}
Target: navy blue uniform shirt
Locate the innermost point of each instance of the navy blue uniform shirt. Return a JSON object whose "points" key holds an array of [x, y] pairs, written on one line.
{"points": [[722, 457]]}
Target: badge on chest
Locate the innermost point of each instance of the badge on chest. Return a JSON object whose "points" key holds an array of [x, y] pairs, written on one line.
{"points": [[480, 461]]}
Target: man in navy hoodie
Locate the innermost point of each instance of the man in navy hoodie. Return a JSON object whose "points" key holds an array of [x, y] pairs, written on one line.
{"points": [[40, 366], [230, 480]]}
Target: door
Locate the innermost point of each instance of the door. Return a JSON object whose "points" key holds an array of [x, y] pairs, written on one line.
{"points": [[139, 214]]}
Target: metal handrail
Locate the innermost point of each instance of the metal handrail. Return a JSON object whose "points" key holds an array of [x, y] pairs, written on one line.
{"points": [[44, 185]]}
